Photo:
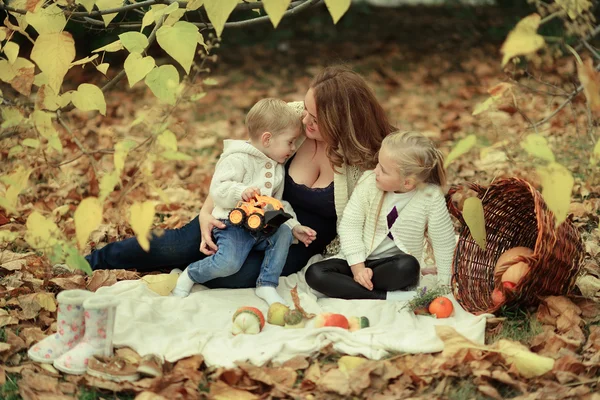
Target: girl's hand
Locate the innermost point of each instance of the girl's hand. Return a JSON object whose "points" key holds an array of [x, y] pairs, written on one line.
{"points": [[429, 271], [207, 224], [250, 193], [363, 275], [304, 234]]}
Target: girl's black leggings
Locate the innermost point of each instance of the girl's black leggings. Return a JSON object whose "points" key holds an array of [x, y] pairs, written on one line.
{"points": [[333, 277]]}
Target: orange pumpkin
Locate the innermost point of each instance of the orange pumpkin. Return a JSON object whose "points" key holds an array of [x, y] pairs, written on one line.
{"points": [[515, 273], [441, 307]]}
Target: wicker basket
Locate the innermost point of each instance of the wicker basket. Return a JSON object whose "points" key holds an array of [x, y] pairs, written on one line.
{"points": [[515, 215]]}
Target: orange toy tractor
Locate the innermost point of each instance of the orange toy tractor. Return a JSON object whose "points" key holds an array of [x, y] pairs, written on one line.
{"points": [[261, 213]]}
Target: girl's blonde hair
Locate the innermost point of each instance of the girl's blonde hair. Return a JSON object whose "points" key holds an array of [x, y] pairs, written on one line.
{"points": [[416, 156], [350, 118]]}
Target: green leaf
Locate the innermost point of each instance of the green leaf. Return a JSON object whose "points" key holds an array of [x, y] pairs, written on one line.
{"points": [[473, 215], [103, 68], [537, 146], [50, 19], [218, 11], [557, 185], [135, 42], [179, 41], [174, 16], [275, 9], [33, 143], [11, 117], [137, 67], [148, 19], [77, 261], [53, 53], [89, 97], [111, 47], [15, 150], [462, 147], [84, 60], [106, 5], [210, 82], [88, 217], [167, 140], [11, 49], [337, 8], [193, 5], [164, 81]]}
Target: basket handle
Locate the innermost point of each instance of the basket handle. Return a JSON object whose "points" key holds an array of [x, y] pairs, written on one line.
{"points": [[480, 190]]}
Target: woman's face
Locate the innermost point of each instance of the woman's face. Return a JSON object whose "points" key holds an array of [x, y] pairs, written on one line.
{"points": [[310, 117]]}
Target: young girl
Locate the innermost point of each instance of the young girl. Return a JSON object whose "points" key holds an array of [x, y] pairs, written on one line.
{"points": [[383, 227]]}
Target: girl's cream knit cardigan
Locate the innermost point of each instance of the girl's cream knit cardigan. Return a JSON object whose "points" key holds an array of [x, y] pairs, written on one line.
{"points": [[362, 230]]}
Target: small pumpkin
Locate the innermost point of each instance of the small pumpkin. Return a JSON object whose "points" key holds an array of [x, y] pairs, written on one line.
{"points": [[293, 319], [515, 273]]}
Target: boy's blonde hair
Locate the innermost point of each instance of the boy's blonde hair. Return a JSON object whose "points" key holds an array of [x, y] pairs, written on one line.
{"points": [[271, 115], [416, 156]]}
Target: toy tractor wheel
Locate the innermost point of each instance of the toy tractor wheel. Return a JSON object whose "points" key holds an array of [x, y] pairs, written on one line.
{"points": [[236, 216], [255, 222]]}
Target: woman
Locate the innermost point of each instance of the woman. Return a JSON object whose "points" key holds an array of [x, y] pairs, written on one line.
{"points": [[344, 126]]}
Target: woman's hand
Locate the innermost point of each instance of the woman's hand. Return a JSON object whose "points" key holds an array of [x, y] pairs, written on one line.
{"points": [[304, 234], [207, 224], [362, 275]]}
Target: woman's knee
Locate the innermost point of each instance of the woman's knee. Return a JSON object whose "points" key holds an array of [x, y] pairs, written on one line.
{"points": [[314, 275]]}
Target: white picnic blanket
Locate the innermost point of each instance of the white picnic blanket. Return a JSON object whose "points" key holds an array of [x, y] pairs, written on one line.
{"points": [[201, 323]]}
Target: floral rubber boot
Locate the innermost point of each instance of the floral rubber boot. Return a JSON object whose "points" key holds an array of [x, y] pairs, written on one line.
{"points": [[70, 327], [99, 326]]}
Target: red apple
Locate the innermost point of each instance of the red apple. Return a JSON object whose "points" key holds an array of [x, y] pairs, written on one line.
{"points": [[498, 297], [509, 285], [331, 319]]}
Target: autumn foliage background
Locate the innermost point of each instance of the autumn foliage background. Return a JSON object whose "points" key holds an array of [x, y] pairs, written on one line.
{"points": [[75, 179]]}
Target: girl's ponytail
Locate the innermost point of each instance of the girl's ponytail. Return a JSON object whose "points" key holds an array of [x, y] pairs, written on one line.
{"points": [[437, 175]]}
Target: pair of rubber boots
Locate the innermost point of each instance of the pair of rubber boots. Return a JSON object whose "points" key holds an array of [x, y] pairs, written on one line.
{"points": [[85, 325]]}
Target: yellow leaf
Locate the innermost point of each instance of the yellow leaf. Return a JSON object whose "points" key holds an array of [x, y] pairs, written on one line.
{"points": [[141, 216], [111, 47], [88, 217], [174, 16], [163, 81], [337, 8], [134, 42], [53, 53], [106, 5], [121, 150], [484, 106], [47, 99], [17, 182], [11, 116], [9, 71], [103, 68], [50, 19], [87, 4], [84, 60], [595, 157], [523, 39], [11, 49], [33, 143], [496, 92], [527, 363], [473, 215], [210, 82], [46, 301], [590, 80], [348, 363], [167, 140], [41, 233], [3, 33], [198, 96], [43, 123], [179, 41], [557, 185], [462, 147], [89, 97], [21, 19], [218, 11], [275, 9], [148, 19], [454, 342], [193, 5], [6, 236], [12, 152], [537, 146], [201, 41], [574, 8], [137, 67], [107, 184], [162, 284]]}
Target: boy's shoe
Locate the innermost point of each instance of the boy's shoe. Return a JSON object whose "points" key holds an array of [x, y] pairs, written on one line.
{"points": [[150, 365], [116, 369]]}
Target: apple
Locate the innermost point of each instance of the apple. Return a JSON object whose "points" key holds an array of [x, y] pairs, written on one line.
{"points": [[331, 319], [277, 313], [509, 285], [498, 297]]}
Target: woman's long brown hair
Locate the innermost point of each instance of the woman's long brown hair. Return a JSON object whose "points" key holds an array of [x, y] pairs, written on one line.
{"points": [[350, 118]]}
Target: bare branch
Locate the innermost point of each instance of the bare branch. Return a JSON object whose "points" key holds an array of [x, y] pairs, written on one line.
{"points": [[591, 49]]}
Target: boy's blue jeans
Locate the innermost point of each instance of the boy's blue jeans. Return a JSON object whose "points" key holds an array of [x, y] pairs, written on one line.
{"points": [[235, 243]]}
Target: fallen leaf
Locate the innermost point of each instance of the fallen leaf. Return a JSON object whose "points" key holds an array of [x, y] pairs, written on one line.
{"points": [[527, 363], [46, 301], [296, 363], [101, 277], [335, 381], [7, 319], [219, 390], [490, 391], [149, 396], [161, 284], [29, 306], [71, 282], [348, 363], [296, 299], [590, 80], [589, 285]]}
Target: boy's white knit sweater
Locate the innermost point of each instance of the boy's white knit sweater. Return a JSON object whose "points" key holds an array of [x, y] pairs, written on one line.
{"points": [[361, 230], [241, 166]]}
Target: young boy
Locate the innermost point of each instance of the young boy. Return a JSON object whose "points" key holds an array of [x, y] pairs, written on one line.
{"points": [[245, 169]]}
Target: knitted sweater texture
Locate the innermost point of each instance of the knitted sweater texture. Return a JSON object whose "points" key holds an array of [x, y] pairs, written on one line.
{"points": [[362, 230]]}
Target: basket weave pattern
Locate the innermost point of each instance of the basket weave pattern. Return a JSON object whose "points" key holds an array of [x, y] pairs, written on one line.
{"points": [[515, 215]]}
